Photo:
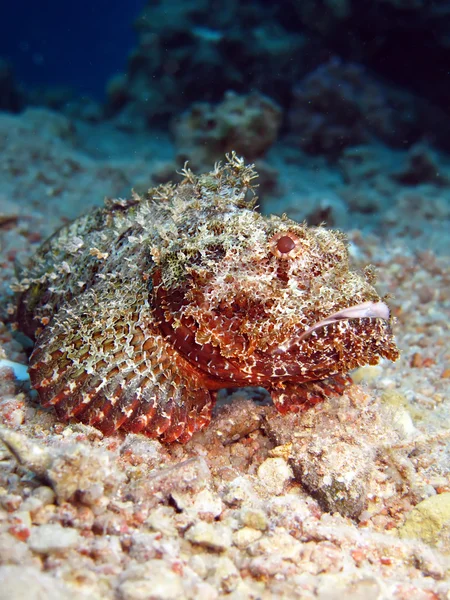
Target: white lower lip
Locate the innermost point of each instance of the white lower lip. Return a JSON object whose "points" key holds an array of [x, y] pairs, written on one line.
{"points": [[366, 310]]}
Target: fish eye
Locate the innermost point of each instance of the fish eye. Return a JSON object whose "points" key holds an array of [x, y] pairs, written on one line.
{"points": [[284, 244]]}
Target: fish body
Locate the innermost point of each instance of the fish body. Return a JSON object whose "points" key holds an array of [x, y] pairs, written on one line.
{"points": [[141, 310]]}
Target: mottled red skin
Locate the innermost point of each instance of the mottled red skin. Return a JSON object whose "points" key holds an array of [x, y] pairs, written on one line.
{"points": [[142, 310], [217, 372]]}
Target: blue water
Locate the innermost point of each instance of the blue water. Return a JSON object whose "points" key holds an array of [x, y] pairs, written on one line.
{"points": [[75, 44]]}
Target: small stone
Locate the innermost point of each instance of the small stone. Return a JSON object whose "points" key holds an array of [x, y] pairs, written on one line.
{"points": [[33, 456], [239, 491], [10, 502], [209, 535], [427, 519], [22, 516], [246, 536], [289, 506], [19, 582], [236, 420], [205, 591], [32, 504], [161, 519], [362, 589], [45, 494], [284, 451], [83, 470], [334, 451], [144, 545], [339, 476], [71, 468], [52, 538], [44, 515], [189, 476], [277, 545], [394, 398], [153, 580], [12, 412], [13, 551], [226, 576], [416, 360], [367, 374], [199, 563], [150, 451], [204, 504], [255, 518], [274, 473], [403, 424], [398, 401]]}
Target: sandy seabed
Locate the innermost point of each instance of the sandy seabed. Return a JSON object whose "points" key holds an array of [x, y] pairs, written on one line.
{"points": [[349, 500]]}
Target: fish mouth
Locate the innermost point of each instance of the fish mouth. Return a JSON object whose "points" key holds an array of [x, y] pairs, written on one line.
{"points": [[366, 310]]}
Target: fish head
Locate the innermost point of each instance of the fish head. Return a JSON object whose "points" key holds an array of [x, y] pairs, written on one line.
{"points": [[255, 300]]}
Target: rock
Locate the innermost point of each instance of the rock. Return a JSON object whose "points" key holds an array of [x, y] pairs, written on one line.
{"points": [[369, 373], [278, 545], [69, 468], [45, 494], [205, 504], [226, 576], [255, 518], [337, 474], [246, 536], [320, 206], [162, 519], [48, 123], [422, 166], [28, 583], [340, 105], [46, 539], [248, 124], [30, 455], [234, 421], [153, 580], [240, 491], [210, 535], [10, 96], [274, 473], [14, 551], [214, 51], [334, 449], [83, 470], [188, 476], [428, 519]]}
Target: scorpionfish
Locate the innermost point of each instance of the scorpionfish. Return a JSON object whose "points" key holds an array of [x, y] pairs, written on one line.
{"points": [[143, 309]]}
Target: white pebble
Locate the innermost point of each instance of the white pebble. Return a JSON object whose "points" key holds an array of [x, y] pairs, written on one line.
{"points": [[52, 538]]}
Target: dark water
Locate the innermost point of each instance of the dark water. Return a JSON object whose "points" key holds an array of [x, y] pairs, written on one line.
{"points": [[73, 44], [82, 44]]}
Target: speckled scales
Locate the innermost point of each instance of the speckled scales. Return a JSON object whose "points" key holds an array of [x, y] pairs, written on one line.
{"points": [[142, 310], [106, 364]]}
